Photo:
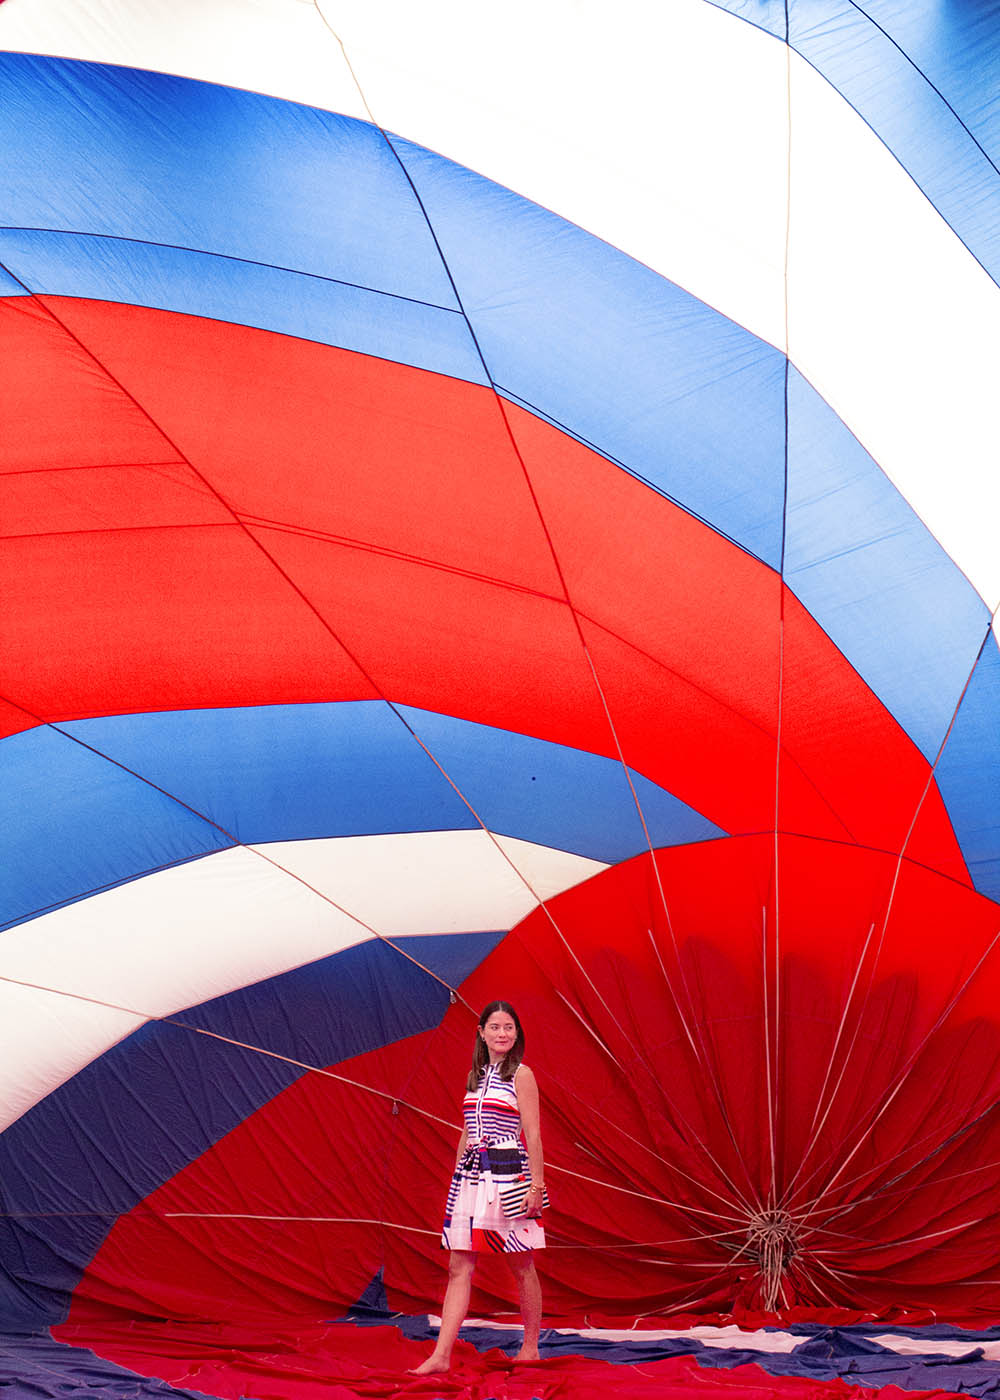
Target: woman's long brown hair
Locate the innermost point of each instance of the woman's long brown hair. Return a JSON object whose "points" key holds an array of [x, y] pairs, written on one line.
{"points": [[481, 1056]]}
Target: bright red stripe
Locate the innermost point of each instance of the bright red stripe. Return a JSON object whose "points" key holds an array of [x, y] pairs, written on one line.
{"points": [[294, 500]]}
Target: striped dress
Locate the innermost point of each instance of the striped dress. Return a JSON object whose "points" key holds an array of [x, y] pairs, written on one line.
{"points": [[473, 1216]]}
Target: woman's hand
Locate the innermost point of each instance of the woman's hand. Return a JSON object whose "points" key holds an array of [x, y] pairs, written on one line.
{"points": [[533, 1201]]}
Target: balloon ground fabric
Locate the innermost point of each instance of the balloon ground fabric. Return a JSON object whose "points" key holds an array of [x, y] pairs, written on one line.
{"points": [[499, 504]]}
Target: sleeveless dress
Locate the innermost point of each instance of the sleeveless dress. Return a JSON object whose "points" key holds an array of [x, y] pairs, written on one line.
{"points": [[473, 1215]]}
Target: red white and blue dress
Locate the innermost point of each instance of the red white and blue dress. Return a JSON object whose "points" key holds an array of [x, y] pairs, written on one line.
{"points": [[473, 1216]]}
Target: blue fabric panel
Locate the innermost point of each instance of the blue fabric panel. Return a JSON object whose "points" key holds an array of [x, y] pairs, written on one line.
{"points": [[649, 376], [10, 287], [72, 823], [43, 1369], [76, 823], [88, 148], [925, 77], [249, 294], [879, 73], [151, 1104], [287, 772], [556, 796], [968, 774], [765, 14], [872, 575]]}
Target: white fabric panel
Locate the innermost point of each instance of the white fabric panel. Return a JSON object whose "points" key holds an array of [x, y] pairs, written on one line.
{"points": [[434, 881], [660, 128], [734, 1338], [280, 47], [896, 325], [197, 931], [665, 133]]}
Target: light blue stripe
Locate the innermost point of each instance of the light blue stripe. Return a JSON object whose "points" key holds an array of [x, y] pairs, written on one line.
{"points": [[89, 148], [248, 294], [874, 577], [73, 822], [925, 76]]}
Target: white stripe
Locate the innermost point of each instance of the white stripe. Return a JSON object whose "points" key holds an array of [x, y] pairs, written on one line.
{"points": [[665, 133], [279, 47], [185, 935]]}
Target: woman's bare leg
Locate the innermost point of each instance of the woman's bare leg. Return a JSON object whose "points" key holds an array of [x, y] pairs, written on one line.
{"points": [[453, 1310], [530, 1295]]}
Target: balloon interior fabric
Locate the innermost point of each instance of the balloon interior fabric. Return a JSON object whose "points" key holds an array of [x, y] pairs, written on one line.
{"points": [[499, 504]]}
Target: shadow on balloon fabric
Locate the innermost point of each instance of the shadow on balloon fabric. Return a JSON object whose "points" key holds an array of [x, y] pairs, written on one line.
{"points": [[348, 1362]]}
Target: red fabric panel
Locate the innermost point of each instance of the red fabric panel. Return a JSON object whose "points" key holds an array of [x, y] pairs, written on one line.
{"points": [[445, 641], [60, 409], [838, 733], [129, 592], [92, 499], [651, 1033], [302, 1182], [326, 440], [346, 1363], [148, 619], [715, 632]]}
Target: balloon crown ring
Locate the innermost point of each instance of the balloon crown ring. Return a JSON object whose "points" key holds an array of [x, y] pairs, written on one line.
{"points": [[772, 1237]]}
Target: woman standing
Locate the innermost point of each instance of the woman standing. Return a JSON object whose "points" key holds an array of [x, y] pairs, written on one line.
{"points": [[497, 1190]]}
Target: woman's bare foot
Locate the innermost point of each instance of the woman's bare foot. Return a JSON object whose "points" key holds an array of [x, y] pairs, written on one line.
{"points": [[431, 1366]]}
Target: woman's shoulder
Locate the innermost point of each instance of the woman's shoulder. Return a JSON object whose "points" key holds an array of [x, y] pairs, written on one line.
{"points": [[524, 1074]]}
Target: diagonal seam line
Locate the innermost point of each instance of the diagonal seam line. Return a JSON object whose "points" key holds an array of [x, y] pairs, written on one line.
{"points": [[900, 855], [173, 1020], [261, 855], [717, 4], [905, 1072], [225, 257], [836, 1211], [500, 406], [292, 584]]}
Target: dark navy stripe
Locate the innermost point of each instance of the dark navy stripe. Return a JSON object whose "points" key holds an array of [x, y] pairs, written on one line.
{"points": [[97, 1146]]}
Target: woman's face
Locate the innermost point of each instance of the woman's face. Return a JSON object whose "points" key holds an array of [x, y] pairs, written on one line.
{"points": [[499, 1033]]}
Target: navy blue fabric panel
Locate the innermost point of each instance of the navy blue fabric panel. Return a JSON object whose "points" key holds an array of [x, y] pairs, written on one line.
{"points": [[925, 77], [625, 360], [72, 823], [141, 1112], [556, 796], [828, 1354], [89, 148], [249, 294], [364, 997], [43, 1369], [873, 576], [968, 774]]}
